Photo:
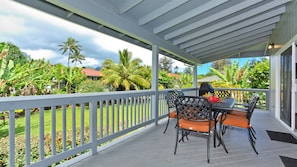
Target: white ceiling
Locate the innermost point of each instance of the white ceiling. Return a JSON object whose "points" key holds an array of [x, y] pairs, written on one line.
{"points": [[193, 31]]}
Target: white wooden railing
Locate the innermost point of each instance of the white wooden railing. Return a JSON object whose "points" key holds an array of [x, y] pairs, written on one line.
{"points": [[87, 122]]}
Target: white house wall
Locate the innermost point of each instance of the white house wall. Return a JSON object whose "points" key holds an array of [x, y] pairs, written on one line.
{"points": [[283, 36]]}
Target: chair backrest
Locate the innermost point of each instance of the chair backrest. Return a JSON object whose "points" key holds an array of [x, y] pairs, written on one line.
{"points": [[223, 93], [171, 96], [193, 108], [252, 99], [252, 104]]}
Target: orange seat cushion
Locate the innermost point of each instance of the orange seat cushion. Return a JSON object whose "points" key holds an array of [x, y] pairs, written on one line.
{"points": [[200, 126], [234, 120], [172, 114], [238, 113]]}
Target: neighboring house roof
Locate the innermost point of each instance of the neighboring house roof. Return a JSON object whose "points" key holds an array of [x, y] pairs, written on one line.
{"points": [[176, 76], [91, 72], [210, 79]]}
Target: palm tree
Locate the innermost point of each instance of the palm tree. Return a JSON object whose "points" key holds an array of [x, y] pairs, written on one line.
{"points": [[77, 57], [128, 74], [71, 46]]}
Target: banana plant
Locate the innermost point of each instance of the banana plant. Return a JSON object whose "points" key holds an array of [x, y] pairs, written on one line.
{"points": [[233, 76], [73, 78], [6, 67]]}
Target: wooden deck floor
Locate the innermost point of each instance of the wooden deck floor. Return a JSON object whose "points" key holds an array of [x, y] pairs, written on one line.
{"points": [[152, 148]]}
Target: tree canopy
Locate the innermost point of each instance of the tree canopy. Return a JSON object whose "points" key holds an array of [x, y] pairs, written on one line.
{"points": [[166, 64], [259, 74], [126, 75]]}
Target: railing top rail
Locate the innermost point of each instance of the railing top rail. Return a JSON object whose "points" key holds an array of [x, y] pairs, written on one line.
{"points": [[12, 103], [244, 89]]}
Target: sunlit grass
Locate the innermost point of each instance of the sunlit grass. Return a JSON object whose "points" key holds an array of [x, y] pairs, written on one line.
{"points": [[20, 123]]}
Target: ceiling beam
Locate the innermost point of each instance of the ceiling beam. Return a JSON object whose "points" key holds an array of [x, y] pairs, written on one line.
{"points": [[161, 10], [128, 5], [226, 24], [212, 18], [229, 31], [197, 11], [227, 38], [232, 42]]}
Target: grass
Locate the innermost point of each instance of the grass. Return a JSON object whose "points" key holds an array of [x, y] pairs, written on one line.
{"points": [[35, 123], [35, 120]]}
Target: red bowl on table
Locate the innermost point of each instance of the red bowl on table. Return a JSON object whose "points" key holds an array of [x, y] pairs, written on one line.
{"points": [[213, 99]]}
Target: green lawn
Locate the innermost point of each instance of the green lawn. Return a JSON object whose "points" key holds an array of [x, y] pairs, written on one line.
{"points": [[35, 123]]}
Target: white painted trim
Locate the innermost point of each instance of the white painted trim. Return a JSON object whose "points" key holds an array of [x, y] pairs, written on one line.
{"points": [[293, 91], [277, 88]]}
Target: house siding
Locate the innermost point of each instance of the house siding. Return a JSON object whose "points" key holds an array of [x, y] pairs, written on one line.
{"points": [[286, 28], [283, 36]]}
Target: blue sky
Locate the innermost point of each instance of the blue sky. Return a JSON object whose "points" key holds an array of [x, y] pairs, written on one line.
{"points": [[39, 34], [203, 69]]}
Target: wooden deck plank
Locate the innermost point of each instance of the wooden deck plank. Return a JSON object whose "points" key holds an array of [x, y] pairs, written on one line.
{"points": [[153, 148]]}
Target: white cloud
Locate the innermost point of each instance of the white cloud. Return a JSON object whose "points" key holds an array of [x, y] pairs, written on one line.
{"points": [[12, 25], [89, 62], [41, 53]]}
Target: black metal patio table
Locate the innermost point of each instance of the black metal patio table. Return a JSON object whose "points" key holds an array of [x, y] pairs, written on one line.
{"points": [[222, 107]]}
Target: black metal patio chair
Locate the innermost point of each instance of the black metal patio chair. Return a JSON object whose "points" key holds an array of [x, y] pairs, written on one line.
{"points": [[242, 120], [194, 114], [170, 97]]}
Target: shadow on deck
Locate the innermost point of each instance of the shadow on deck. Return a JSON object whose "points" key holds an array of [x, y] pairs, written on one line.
{"points": [[152, 148]]}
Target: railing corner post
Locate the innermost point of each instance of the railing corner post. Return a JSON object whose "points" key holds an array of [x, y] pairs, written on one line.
{"points": [[155, 109], [93, 126]]}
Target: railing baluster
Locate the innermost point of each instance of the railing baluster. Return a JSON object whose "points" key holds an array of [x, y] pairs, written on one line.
{"points": [[112, 116], [130, 111], [82, 123], [41, 133], [127, 115], [118, 115], [101, 119], [54, 130], [12, 138], [93, 125], [64, 127], [73, 126], [142, 109], [138, 104], [28, 136], [107, 117], [145, 104], [123, 113], [150, 110], [134, 111]]}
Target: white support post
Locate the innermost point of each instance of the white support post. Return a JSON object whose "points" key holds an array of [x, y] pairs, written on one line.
{"points": [[195, 78], [155, 71]]}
